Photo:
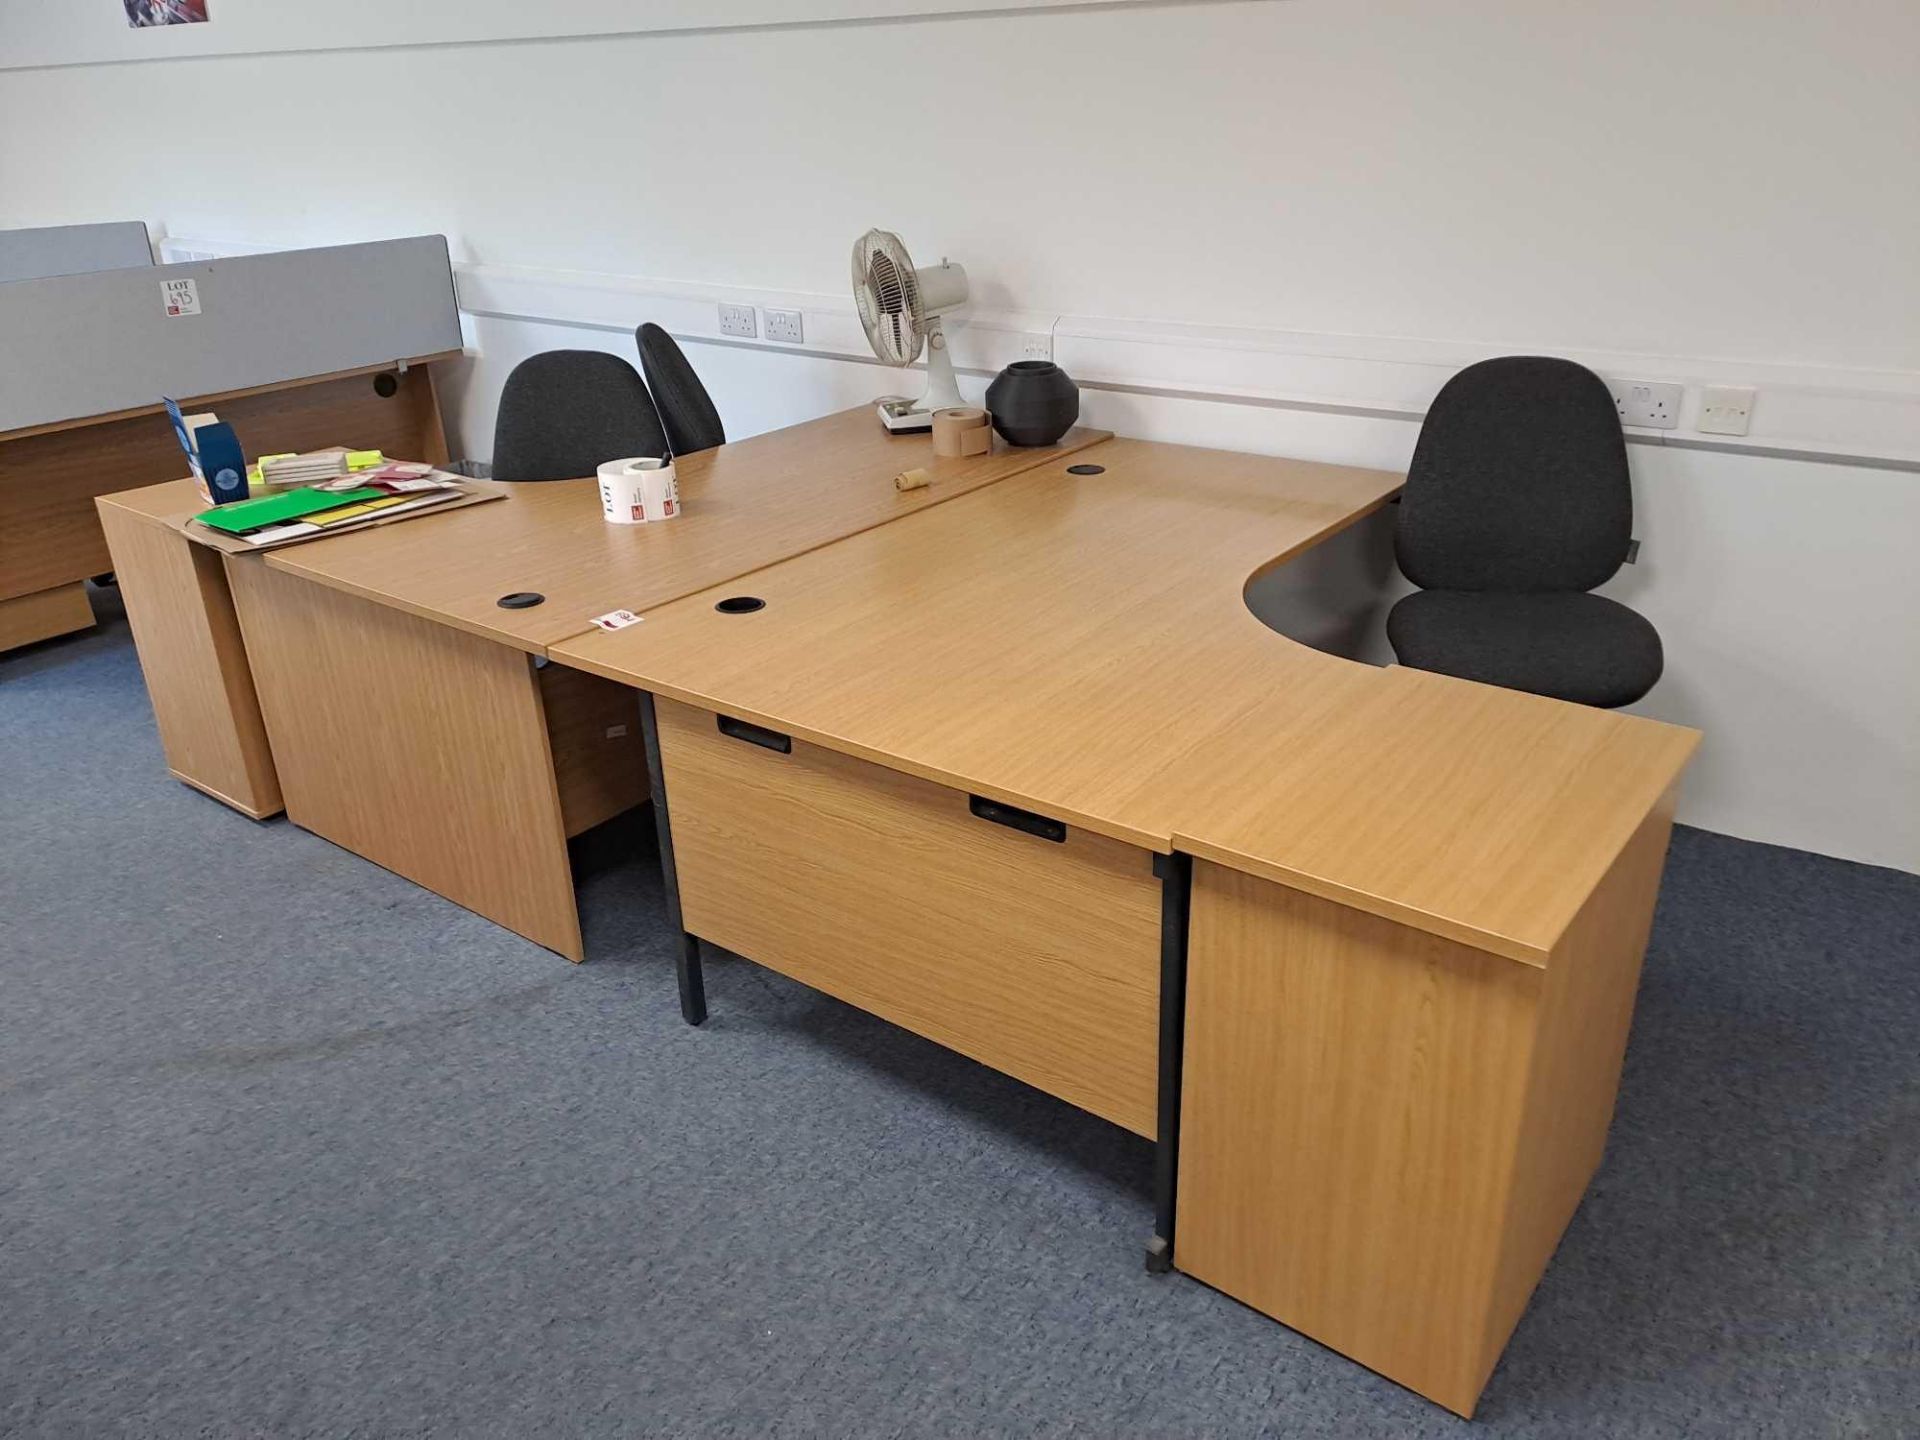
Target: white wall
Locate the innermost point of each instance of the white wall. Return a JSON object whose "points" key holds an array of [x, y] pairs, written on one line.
{"points": [[1702, 190]]}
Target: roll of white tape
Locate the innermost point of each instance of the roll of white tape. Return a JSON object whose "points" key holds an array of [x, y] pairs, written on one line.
{"points": [[639, 489]]}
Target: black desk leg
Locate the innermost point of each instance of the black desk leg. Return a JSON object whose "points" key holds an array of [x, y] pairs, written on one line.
{"points": [[686, 960], [1176, 892]]}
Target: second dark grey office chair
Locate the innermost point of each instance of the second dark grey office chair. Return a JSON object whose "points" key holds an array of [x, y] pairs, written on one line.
{"points": [[686, 410], [1517, 504], [563, 413]]}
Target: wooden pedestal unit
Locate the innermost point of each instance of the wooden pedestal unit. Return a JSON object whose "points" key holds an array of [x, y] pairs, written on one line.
{"points": [[188, 639], [1384, 1133]]}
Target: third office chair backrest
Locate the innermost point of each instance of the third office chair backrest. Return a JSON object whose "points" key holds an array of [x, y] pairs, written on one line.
{"points": [[1519, 482], [686, 410], [564, 413]]}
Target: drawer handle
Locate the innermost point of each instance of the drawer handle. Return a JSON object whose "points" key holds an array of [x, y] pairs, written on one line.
{"points": [[1008, 815], [755, 734]]}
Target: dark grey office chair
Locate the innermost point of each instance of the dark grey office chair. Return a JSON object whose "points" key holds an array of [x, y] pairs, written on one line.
{"points": [[686, 410], [563, 413], [1517, 504]]}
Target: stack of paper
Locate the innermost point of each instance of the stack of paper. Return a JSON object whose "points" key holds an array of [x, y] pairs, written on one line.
{"points": [[289, 515]]}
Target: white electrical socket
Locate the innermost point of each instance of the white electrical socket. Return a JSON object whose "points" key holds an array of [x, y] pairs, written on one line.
{"points": [[785, 325], [1725, 410], [1650, 404], [1036, 345], [739, 320]]}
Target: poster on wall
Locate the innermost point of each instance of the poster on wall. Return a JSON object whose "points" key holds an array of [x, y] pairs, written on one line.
{"points": [[141, 13]]}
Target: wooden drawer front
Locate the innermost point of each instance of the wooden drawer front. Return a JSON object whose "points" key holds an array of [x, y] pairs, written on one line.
{"points": [[1039, 958]]}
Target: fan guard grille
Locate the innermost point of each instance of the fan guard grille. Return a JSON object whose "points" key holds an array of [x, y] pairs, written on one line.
{"points": [[888, 294]]}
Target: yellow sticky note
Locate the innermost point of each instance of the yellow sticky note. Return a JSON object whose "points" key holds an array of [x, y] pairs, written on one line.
{"points": [[364, 460]]}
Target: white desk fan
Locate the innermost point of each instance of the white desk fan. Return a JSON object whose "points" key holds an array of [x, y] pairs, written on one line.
{"points": [[901, 309]]}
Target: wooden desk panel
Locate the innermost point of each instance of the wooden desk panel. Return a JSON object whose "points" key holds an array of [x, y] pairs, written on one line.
{"points": [[424, 749], [190, 648], [748, 504], [1477, 813], [43, 614]]}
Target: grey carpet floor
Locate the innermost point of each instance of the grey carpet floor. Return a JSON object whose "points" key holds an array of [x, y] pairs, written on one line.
{"points": [[289, 1146]]}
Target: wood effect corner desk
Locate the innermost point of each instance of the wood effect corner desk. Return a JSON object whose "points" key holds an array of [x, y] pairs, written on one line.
{"points": [[1357, 947], [51, 475], [373, 683]]}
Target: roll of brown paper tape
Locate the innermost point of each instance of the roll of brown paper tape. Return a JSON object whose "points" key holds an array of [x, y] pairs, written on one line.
{"points": [[961, 431], [912, 479]]}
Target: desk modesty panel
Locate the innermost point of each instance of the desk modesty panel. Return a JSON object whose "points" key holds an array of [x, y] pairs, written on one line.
{"points": [[1039, 958], [747, 504]]}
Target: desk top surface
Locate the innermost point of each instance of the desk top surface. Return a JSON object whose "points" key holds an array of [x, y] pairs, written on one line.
{"points": [[1081, 646], [746, 505]]}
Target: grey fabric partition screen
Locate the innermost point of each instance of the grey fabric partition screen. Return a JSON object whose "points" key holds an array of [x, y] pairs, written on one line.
{"points": [[79, 345], [73, 250]]}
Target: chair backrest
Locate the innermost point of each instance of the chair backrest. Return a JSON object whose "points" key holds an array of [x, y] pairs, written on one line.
{"points": [[563, 413], [1519, 482], [686, 410]]}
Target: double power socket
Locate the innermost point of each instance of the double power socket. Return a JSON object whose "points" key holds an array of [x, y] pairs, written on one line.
{"points": [[743, 321]]}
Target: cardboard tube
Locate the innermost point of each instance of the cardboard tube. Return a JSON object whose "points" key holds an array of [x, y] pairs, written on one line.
{"points": [[912, 480], [961, 431]]}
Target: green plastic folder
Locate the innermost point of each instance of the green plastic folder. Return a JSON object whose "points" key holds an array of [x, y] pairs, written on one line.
{"points": [[243, 516]]}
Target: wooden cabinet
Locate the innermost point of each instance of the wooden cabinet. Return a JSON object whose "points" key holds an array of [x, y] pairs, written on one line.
{"points": [[1384, 1132]]}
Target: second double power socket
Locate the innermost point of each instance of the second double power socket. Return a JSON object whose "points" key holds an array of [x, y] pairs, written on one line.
{"points": [[785, 325]]}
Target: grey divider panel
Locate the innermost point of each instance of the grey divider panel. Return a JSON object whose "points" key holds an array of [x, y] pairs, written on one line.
{"points": [[73, 250], [80, 345]]}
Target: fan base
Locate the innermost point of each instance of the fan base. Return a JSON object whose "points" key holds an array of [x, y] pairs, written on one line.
{"points": [[903, 417]]}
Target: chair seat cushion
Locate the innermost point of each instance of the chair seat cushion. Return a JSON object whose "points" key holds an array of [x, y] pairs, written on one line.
{"points": [[1562, 643]]}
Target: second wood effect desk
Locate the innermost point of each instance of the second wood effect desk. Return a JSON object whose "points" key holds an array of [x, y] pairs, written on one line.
{"points": [[1357, 947], [406, 716]]}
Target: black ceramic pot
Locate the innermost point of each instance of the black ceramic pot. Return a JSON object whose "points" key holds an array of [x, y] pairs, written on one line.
{"points": [[1033, 402]]}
